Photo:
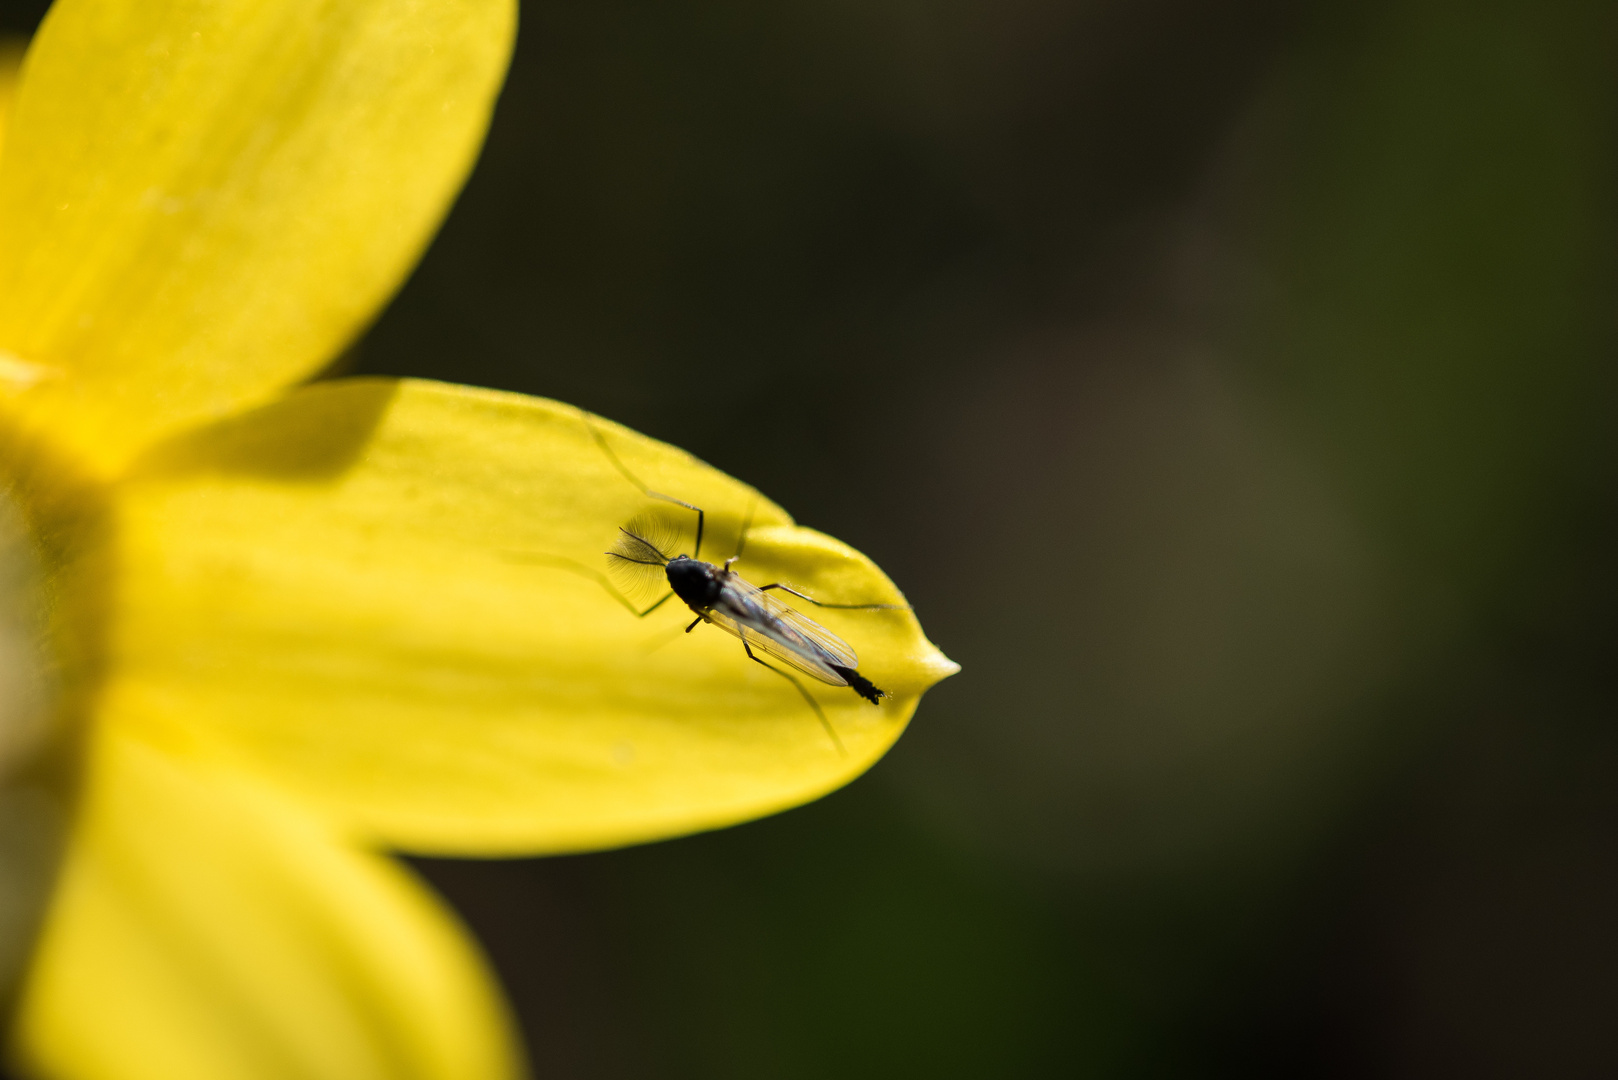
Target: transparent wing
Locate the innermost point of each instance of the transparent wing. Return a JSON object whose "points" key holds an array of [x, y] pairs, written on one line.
{"points": [[836, 649], [770, 625], [808, 663]]}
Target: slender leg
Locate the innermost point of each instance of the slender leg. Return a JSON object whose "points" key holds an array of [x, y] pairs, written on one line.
{"points": [[819, 603], [655, 605], [561, 562], [747, 524], [813, 704], [694, 623], [601, 440]]}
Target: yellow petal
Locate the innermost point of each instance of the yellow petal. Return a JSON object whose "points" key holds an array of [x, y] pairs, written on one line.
{"points": [[203, 202], [380, 595], [203, 931], [11, 51]]}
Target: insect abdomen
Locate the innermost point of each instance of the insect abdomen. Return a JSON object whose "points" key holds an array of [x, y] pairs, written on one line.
{"points": [[859, 683]]}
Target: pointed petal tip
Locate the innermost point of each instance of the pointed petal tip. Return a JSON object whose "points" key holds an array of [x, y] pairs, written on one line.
{"points": [[938, 666]]}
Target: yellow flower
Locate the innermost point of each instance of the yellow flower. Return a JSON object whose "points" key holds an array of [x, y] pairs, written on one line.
{"points": [[295, 628]]}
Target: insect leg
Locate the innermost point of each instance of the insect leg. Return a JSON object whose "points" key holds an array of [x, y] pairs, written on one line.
{"points": [[655, 605], [601, 441], [694, 623], [813, 704], [562, 562], [747, 524], [820, 603]]}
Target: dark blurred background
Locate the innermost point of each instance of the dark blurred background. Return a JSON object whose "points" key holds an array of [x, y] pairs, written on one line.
{"points": [[1230, 387]]}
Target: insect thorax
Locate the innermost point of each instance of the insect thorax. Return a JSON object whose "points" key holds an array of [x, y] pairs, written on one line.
{"points": [[694, 581]]}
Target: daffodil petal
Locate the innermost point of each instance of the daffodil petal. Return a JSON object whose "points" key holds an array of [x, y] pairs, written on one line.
{"points": [[202, 202], [11, 52], [204, 931], [385, 596]]}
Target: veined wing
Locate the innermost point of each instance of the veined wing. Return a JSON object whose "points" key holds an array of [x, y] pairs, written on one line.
{"points": [[805, 660], [834, 648], [785, 633]]}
